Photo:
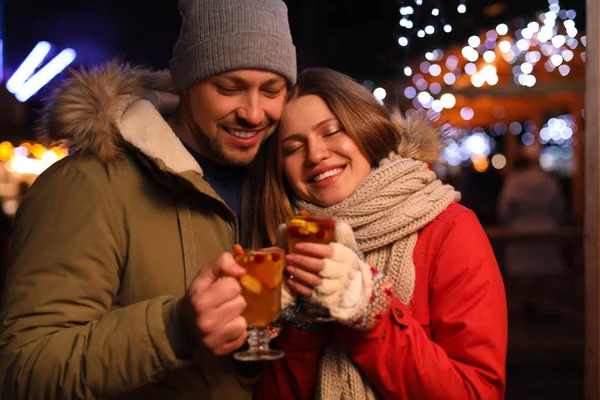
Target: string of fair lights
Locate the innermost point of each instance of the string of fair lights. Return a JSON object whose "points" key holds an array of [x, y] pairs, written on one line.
{"points": [[551, 41], [421, 19]]}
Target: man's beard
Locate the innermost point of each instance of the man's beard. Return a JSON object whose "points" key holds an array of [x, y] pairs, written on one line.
{"points": [[216, 148]]}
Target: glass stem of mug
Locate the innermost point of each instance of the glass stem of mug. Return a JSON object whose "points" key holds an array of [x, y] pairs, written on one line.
{"points": [[258, 339]]}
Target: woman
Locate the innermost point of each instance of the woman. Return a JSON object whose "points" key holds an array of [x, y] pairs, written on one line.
{"points": [[442, 333]]}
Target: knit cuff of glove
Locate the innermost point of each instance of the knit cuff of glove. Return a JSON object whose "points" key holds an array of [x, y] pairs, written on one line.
{"points": [[378, 302]]}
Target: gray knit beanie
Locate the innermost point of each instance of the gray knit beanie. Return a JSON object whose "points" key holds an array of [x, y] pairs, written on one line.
{"points": [[224, 35]]}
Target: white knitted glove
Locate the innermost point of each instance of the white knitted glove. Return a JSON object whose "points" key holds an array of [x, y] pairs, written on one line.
{"points": [[355, 293], [347, 279]]}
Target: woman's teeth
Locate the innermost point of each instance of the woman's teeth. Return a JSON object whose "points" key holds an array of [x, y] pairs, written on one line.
{"points": [[327, 174]]}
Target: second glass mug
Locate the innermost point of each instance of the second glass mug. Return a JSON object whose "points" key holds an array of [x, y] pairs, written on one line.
{"points": [[306, 228]]}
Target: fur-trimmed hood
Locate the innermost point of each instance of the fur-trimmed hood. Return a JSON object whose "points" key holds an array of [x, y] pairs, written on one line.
{"points": [[94, 111], [418, 137]]}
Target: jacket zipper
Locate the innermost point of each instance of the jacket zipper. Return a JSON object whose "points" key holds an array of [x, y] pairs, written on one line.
{"points": [[230, 229]]}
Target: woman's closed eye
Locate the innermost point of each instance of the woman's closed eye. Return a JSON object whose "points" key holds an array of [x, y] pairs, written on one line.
{"points": [[292, 148], [333, 132]]}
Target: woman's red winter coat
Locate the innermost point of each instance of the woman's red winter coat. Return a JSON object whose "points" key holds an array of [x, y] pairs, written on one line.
{"points": [[450, 343]]}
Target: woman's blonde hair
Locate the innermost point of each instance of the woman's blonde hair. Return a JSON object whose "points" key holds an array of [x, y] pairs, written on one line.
{"points": [[367, 122]]}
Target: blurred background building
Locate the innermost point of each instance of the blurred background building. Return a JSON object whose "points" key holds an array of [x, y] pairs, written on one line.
{"points": [[505, 78]]}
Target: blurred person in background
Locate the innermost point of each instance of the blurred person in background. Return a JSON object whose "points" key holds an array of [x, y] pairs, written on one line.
{"points": [[531, 199], [423, 314], [113, 289]]}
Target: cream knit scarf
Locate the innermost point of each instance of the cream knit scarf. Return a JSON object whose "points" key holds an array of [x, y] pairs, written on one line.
{"points": [[386, 212]]}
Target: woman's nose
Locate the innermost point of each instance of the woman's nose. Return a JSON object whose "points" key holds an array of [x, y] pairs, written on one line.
{"points": [[317, 151]]}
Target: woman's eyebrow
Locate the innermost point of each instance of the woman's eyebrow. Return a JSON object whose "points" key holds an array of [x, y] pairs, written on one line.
{"points": [[317, 126], [294, 136]]}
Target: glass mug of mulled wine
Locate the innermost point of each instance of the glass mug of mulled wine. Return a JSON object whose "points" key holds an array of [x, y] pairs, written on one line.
{"points": [[261, 288], [306, 228]]}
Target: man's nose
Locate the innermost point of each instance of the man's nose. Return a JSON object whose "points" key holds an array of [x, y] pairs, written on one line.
{"points": [[251, 110]]}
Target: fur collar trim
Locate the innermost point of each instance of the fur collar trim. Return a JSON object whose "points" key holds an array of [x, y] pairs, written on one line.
{"points": [[95, 111]]}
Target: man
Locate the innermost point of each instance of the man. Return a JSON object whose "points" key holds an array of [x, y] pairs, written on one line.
{"points": [[121, 284]]}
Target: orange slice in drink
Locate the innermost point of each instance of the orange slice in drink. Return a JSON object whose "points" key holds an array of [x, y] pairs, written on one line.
{"points": [[270, 282], [251, 284], [267, 276]]}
